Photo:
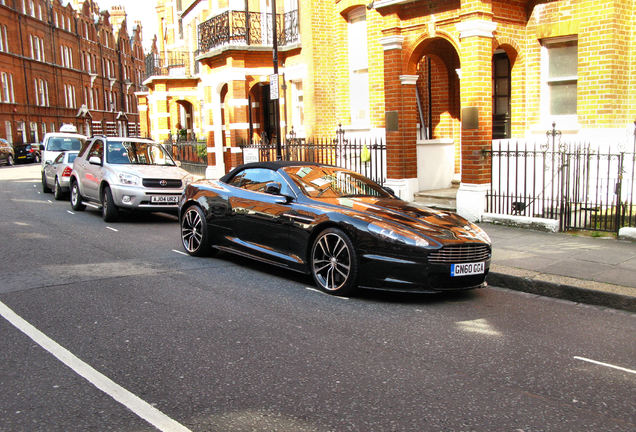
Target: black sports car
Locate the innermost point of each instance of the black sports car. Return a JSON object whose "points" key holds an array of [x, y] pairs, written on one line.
{"points": [[338, 225]]}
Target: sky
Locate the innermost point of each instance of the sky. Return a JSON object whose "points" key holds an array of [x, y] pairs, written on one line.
{"points": [[142, 10]]}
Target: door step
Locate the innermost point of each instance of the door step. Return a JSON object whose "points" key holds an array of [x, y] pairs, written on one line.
{"points": [[440, 199]]}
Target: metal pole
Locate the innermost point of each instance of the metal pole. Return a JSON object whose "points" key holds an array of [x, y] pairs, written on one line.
{"points": [[277, 100]]}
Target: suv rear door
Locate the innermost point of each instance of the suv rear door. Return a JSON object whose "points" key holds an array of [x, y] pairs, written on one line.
{"points": [[91, 174]]}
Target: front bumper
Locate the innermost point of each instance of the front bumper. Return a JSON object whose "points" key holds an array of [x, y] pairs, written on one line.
{"points": [[142, 198], [414, 275]]}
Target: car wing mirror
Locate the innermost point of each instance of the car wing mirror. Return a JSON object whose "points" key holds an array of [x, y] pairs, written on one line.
{"points": [[273, 188], [94, 160]]}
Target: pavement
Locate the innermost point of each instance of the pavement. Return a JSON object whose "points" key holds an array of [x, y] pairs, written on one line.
{"points": [[584, 269]]}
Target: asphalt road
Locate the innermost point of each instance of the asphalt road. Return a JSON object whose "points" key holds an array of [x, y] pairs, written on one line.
{"points": [[123, 332]]}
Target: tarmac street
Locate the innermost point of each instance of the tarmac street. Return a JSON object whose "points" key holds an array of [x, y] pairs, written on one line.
{"points": [[112, 327]]}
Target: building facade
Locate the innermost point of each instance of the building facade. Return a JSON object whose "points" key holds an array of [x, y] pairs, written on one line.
{"points": [[59, 65], [437, 80]]}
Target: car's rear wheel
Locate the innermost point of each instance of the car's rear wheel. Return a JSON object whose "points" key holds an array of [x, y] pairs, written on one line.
{"points": [[194, 232], [334, 264], [57, 190], [76, 198], [10, 161], [110, 212], [45, 187]]}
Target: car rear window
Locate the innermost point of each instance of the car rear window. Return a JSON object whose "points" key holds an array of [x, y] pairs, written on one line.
{"points": [[64, 144]]}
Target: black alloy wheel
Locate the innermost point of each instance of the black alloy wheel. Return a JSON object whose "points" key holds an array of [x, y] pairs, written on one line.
{"points": [[76, 198], [57, 190], [110, 212], [334, 264], [194, 232], [45, 187]]}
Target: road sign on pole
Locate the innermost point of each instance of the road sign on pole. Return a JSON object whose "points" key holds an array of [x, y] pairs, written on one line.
{"points": [[273, 87]]}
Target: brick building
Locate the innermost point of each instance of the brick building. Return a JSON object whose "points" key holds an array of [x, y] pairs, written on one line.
{"points": [[438, 80], [60, 65]]}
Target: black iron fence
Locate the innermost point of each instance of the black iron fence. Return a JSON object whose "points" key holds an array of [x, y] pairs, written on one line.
{"points": [[170, 63], [192, 155], [251, 28], [366, 156], [584, 186]]}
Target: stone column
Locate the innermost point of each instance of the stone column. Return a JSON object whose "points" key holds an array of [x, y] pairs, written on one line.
{"points": [[401, 118], [476, 102]]}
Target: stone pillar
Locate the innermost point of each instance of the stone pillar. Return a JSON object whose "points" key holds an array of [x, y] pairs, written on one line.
{"points": [[476, 104], [401, 118]]}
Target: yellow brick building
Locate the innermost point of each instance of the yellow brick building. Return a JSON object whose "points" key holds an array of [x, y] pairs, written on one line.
{"points": [[437, 80]]}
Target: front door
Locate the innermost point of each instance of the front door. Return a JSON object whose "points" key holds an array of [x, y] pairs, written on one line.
{"points": [[501, 96]]}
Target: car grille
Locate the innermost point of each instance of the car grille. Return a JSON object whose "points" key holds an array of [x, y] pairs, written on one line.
{"points": [[157, 183], [460, 254]]}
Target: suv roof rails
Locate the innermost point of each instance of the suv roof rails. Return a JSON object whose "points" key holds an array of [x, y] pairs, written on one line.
{"points": [[98, 135]]}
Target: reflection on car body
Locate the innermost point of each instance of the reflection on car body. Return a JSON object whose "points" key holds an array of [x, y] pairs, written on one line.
{"points": [[338, 225]]}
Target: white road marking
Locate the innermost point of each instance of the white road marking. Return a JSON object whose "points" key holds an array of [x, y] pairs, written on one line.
{"points": [[322, 292], [49, 201], [179, 252], [605, 364], [134, 403], [478, 326], [69, 212], [112, 229]]}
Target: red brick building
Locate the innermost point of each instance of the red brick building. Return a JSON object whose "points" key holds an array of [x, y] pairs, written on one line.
{"points": [[59, 65]]}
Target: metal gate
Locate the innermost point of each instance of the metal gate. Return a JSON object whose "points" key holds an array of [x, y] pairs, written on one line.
{"points": [[583, 186]]}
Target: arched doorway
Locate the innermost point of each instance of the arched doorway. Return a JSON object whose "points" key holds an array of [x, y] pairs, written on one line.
{"points": [[185, 120], [262, 114]]}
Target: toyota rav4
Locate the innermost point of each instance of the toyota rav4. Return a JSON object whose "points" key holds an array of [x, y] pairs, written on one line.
{"points": [[126, 173]]}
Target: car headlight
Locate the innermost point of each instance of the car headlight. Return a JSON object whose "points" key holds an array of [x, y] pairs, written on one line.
{"points": [[129, 179], [389, 232]]}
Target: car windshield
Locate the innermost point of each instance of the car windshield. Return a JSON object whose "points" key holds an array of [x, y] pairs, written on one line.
{"points": [[137, 153], [64, 143], [333, 182]]}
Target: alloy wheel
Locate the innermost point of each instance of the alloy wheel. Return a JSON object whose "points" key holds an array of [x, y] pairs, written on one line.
{"points": [[193, 231], [332, 262]]}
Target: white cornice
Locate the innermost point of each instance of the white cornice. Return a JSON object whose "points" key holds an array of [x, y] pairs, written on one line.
{"points": [[384, 3], [408, 79], [392, 42], [476, 28]]}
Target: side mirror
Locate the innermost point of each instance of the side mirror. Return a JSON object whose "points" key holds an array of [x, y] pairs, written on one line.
{"points": [[273, 188], [94, 160]]}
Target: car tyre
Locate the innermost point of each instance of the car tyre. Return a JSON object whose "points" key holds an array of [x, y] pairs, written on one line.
{"points": [[194, 232], [36, 159], [57, 190], [76, 197], [10, 161], [334, 264], [45, 187], [110, 212]]}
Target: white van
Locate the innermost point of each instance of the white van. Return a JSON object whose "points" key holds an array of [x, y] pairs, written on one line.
{"points": [[55, 143]]}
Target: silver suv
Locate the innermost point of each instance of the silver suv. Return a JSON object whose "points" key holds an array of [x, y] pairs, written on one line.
{"points": [[126, 173]]}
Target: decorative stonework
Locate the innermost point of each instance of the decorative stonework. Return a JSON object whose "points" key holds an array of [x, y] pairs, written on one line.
{"points": [[476, 28], [392, 42], [408, 79]]}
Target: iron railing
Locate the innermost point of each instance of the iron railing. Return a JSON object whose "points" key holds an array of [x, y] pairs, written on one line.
{"points": [[366, 156], [192, 155], [584, 186], [170, 63], [253, 28]]}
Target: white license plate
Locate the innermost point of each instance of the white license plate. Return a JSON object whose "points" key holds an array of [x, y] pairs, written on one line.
{"points": [[164, 199], [467, 269]]}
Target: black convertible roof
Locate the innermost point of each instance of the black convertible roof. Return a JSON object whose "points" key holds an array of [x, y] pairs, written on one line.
{"points": [[273, 165]]}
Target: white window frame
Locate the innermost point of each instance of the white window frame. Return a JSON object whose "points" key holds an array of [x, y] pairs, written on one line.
{"points": [[359, 101], [565, 121], [4, 42], [7, 87]]}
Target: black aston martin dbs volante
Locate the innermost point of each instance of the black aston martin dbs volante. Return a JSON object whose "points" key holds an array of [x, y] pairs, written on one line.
{"points": [[344, 229]]}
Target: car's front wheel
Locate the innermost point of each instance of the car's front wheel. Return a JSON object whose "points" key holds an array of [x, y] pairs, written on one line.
{"points": [[10, 161], [194, 232], [110, 212], [334, 264], [76, 197]]}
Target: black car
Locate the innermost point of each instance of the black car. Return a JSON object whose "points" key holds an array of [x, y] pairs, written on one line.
{"points": [[7, 155], [27, 152], [338, 225]]}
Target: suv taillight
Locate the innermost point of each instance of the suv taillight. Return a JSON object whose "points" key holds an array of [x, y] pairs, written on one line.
{"points": [[67, 172]]}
